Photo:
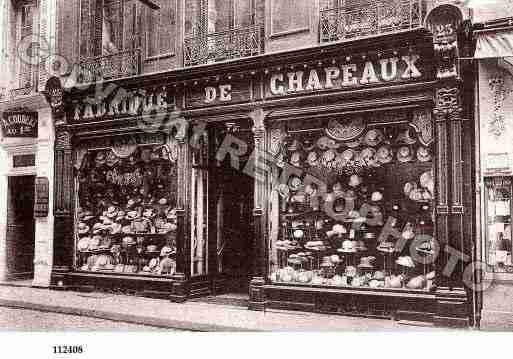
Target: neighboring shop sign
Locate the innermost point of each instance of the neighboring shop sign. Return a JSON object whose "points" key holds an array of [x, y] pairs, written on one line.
{"points": [[351, 74], [42, 188], [19, 124], [218, 94]]}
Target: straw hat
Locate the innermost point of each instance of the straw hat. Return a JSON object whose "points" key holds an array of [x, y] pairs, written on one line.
{"points": [[367, 154], [423, 154], [165, 251], [111, 212], [404, 154], [83, 244], [328, 156], [295, 183], [115, 228], [366, 262], [373, 137], [376, 196], [384, 154]]}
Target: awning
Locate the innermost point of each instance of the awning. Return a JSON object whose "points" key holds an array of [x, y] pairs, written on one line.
{"points": [[496, 43]]}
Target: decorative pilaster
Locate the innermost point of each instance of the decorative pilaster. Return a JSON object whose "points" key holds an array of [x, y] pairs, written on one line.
{"points": [[180, 290], [453, 304], [256, 292]]}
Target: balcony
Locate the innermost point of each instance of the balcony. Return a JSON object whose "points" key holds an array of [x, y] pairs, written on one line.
{"points": [[358, 19], [224, 45], [22, 91], [108, 67]]}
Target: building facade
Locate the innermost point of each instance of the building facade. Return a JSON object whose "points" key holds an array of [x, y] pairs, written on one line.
{"points": [[314, 155], [26, 142]]}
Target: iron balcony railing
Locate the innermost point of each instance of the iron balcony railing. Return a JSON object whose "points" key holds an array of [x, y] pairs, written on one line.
{"points": [[364, 18], [223, 45], [107, 67], [22, 91]]}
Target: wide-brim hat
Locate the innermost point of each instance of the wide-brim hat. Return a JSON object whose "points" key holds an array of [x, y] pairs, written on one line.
{"points": [[328, 156], [129, 240], [295, 183], [348, 247], [404, 154], [348, 155], [162, 201], [406, 137], [83, 228], [423, 154], [386, 247], [308, 144], [83, 244], [425, 178], [94, 242], [132, 215], [373, 137], [355, 181], [367, 154], [105, 243]]}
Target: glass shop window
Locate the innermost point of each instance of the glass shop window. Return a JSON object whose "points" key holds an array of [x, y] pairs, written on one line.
{"points": [[289, 15], [372, 226], [498, 224], [125, 218]]}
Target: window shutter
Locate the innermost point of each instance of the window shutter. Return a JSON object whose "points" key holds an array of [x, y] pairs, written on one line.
{"points": [[97, 29], [27, 25], [244, 13]]}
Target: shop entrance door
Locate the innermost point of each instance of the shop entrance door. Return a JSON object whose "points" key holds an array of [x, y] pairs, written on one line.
{"points": [[235, 233], [20, 228]]}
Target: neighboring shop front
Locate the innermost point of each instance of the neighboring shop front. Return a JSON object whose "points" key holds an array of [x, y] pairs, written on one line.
{"points": [[26, 173], [495, 108], [327, 179]]}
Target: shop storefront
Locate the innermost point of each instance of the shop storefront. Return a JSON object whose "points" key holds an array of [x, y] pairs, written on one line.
{"points": [[328, 179], [494, 56]]}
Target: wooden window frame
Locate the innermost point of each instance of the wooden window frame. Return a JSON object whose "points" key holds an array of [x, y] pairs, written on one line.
{"points": [[35, 32], [297, 30], [147, 34]]}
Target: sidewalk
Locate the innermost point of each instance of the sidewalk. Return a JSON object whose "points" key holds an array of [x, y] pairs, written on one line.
{"points": [[195, 316]]}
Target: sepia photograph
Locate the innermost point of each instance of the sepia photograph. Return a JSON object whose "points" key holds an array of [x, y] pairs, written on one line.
{"points": [[177, 166]]}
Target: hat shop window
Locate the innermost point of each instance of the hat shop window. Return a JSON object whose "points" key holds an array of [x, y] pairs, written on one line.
{"points": [[373, 225], [498, 192], [126, 218]]}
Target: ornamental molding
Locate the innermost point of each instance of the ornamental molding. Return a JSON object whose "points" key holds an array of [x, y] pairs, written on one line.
{"points": [[500, 92]]}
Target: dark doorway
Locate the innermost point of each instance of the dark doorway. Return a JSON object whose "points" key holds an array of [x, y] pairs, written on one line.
{"points": [[20, 228], [234, 228]]}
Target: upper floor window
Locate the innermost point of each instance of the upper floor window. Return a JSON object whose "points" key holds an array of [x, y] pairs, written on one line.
{"points": [[27, 26], [289, 16], [161, 33]]}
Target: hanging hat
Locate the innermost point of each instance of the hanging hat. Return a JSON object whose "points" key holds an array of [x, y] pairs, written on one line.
{"points": [[384, 154], [313, 158], [132, 215], [423, 154], [83, 228], [426, 178], [373, 137], [406, 137], [404, 154], [121, 216], [295, 145], [332, 144], [152, 248], [295, 159], [308, 144], [163, 201], [323, 143]]}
